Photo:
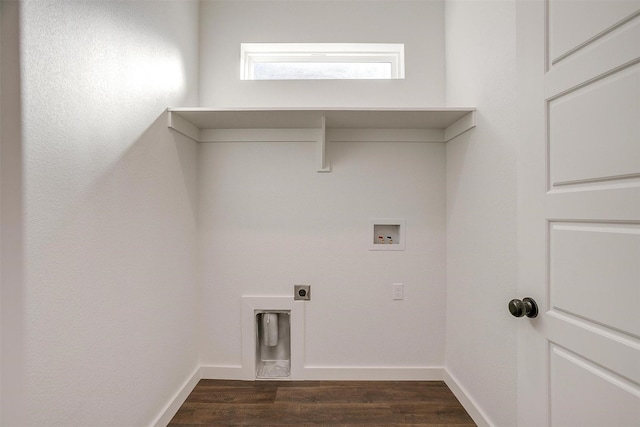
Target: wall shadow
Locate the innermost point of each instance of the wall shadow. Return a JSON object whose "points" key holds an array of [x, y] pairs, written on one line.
{"points": [[12, 276]]}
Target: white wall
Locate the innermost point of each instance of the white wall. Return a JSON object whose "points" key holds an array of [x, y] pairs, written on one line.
{"points": [[417, 24], [99, 295], [481, 206], [269, 221], [107, 303]]}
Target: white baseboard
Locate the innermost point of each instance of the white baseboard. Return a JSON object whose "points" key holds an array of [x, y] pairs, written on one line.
{"points": [[469, 404], [178, 399], [336, 373], [223, 373], [330, 373]]}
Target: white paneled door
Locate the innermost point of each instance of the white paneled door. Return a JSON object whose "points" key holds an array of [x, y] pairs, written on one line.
{"points": [[579, 212]]}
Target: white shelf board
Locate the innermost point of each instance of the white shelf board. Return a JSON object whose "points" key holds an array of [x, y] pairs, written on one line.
{"points": [[452, 121]]}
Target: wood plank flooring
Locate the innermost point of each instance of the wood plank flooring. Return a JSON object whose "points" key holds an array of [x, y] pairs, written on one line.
{"points": [[324, 403]]}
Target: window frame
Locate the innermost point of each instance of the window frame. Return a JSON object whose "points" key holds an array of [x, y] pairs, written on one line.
{"points": [[252, 53]]}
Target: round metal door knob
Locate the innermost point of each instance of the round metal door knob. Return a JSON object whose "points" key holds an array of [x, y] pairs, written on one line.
{"points": [[524, 307]]}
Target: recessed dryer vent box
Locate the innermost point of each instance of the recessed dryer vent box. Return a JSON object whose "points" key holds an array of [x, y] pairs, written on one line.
{"points": [[387, 234]]}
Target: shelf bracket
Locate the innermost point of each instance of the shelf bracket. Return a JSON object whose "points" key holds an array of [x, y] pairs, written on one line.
{"points": [[183, 126], [460, 126], [321, 148]]}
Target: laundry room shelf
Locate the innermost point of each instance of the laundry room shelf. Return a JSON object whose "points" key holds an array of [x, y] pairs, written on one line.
{"points": [[452, 121], [321, 125]]}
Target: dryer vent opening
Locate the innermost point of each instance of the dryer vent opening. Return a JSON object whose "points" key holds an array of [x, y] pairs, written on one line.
{"points": [[273, 343]]}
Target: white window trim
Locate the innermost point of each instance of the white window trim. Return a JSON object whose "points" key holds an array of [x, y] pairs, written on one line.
{"points": [[251, 53]]}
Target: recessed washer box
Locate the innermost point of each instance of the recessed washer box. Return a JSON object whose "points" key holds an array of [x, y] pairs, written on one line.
{"points": [[387, 234]]}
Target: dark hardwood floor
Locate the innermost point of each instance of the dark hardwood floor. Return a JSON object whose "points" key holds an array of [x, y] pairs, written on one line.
{"points": [[324, 403]]}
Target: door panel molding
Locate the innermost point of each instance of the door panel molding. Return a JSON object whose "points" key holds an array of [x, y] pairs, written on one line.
{"points": [[594, 272], [618, 50], [604, 398], [593, 129], [573, 26]]}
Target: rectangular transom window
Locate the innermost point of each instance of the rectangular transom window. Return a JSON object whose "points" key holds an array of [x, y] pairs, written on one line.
{"points": [[319, 61]]}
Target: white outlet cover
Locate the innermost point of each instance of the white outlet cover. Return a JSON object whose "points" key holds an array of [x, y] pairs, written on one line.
{"points": [[398, 291]]}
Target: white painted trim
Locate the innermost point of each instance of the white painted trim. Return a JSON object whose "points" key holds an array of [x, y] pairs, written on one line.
{"points": [[258, 135], [334, 373], [336, 118], [613, 53], [460, 126], [385, 135], [337, 373], [468, 403], [321, 148], [332, 135], [183, 126], [172, 407], [223, 373]]}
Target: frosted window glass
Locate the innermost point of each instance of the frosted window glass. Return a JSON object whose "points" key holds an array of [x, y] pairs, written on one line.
{"points": [[321, 70], [320, 61]]}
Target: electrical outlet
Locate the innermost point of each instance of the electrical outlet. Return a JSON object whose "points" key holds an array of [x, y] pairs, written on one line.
{"points": [[398, 291], [302, 292]]}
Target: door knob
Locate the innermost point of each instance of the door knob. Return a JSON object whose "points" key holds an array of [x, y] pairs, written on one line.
{"points": [[524, 307]]}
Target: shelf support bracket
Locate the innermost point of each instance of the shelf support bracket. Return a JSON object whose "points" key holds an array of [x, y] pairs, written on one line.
{"points": [[460, 126], [183, 126], [321, 148]]}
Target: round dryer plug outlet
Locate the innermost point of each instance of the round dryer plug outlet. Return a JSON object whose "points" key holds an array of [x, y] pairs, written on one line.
{"points": [[302, 292]]}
